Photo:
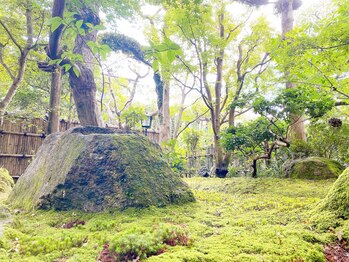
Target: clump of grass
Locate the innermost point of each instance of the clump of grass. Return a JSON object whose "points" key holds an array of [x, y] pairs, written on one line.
{"points": [[140, 243]]}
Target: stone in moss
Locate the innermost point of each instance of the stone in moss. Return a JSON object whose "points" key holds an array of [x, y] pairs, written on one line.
{"points": [[312, 168], [97, 169], [337, 200]]}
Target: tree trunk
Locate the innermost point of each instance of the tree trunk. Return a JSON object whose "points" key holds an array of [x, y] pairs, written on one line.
{"points": [[54, 52], [83, 85], [179, 116], [222, 161], [165, 134], [22, 60], [5, 102], [84, 94], [55, 97], [297, 129]]}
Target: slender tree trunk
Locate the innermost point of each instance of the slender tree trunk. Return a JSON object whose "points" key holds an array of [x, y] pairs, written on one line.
{"points": [[22, 60], [180, 114], [165, 134], [222, 159], [71, 105], [55, 96], [297, 129], [5, 102], [54, 52], [83, 85]]}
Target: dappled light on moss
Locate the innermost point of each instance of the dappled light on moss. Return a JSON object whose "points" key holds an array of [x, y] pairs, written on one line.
{"points": [[239, 219], [336, 201]]}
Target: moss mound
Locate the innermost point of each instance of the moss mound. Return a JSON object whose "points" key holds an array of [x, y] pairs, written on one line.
{"points": [[6, 181], [98, 170], [337, 200], [312, 168], [6, 185]]}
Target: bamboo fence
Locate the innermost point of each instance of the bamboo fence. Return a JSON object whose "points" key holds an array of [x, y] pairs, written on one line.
{"points": [[198, 159], [20, 138]]}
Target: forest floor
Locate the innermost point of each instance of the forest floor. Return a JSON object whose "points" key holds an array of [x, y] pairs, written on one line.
{"points": [[237, 219]]}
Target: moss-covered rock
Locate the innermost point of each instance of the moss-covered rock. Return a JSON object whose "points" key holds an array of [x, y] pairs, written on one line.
{"points": [[94, 169], [337, 200], [312, 168]]}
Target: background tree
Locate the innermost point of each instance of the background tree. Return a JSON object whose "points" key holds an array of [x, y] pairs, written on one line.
{"points": [[289, 102], [158, 56], [316, 53], [286, 8], [13, 44], [209, 35], [81, 23]]}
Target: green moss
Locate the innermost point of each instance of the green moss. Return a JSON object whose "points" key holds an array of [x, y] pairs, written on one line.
{"points": [[95, 169], [6, 185], [313, 168], [6, 181], [237, 219], [337, 200]]}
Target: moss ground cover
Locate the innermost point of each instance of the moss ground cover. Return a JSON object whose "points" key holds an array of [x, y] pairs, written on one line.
{"points": [[238, 219]]}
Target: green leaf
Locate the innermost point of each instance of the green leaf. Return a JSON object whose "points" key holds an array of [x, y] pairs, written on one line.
{"points": [[99, 27], [76, 71], [52, 20], [171, 55], [89, 25], [155, 65], [55, 22], [67, 67], [55, 61], [79, 23]]}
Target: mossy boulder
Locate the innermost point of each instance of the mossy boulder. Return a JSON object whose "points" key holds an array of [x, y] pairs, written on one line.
{"points": [[95, 169], [312, 168], [337, 199]]}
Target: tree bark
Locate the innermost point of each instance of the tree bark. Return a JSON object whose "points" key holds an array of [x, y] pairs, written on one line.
{"points": [[222, 160], [165, 134], [55, 97], [297, 129], [54, 52], [180, 114], [267, 156], [83, 85]]}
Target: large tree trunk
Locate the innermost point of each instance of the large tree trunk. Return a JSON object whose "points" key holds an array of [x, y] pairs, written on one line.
{"points": [[297, 129], [83, 85]]}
